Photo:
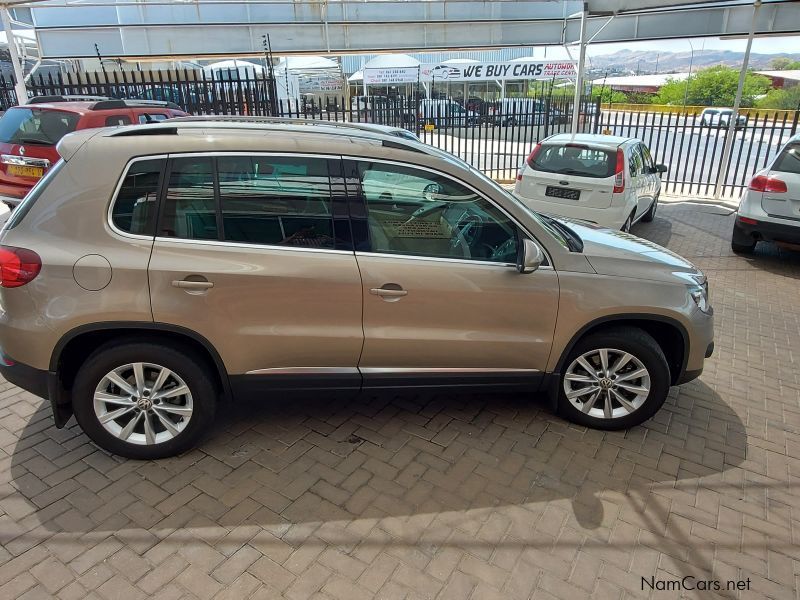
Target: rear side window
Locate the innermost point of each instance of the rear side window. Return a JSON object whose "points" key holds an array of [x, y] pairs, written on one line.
{"points": [[135, 206], [574, 159], [788, 160], [275, 200], [251, 199], [151, 118], [190, 210], [36, 126], [114, 120]]}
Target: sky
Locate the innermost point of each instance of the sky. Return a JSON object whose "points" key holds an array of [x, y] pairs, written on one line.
{"points": [[764, 45]]}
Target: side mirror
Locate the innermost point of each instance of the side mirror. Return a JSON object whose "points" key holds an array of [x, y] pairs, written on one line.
{"points": [[660, 169], [529, 257]]}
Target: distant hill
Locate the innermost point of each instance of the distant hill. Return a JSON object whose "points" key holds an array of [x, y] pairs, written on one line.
{"points": [[631, 61]]}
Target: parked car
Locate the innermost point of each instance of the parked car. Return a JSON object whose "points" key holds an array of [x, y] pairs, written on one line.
{"points": [[769, 210], [156, 270], [608, 180], [445, 114], [721, 118], [173, 93], [29, 133], [520, 111]]}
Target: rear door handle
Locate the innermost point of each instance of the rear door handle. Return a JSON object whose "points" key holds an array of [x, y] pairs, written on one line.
{"points": [[389, 291], [192, 285]]}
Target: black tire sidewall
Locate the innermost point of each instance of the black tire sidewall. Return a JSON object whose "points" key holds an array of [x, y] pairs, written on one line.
{"points": [[642, 346], [107, 358]]}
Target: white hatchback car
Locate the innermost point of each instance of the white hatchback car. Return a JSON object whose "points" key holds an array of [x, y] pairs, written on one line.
{"points": [[608, 180], [770, 208]]}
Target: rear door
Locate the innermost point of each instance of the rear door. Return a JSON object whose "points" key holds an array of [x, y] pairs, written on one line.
{"points": [[572, 174], [638, 178], [785, 204], [253, 252]]}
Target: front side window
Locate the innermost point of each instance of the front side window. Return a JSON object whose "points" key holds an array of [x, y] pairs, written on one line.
{"points": [[151, 118], [275, 200], [648, 159], [635, 161], [420, 213], [135, 205]]}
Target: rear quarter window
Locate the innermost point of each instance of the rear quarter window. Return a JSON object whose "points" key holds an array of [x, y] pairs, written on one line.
{"points": [[576, 160], [135, 205], [788, 160]]}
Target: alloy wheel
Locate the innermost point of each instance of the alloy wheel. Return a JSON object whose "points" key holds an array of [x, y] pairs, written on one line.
{"points": [[143, 403], [607, 383]]}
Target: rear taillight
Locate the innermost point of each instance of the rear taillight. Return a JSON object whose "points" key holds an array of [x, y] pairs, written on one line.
{"points": [[619, 173], [762, 183], [519, 175], [18, 266], [533, 154]]}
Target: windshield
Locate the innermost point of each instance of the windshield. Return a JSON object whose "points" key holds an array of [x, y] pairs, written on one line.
{"points": [[545, 222], [35, 126], [573, 159]]}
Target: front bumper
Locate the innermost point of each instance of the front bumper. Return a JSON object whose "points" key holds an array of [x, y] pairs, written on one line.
{"points": [[612, 217], [701, 345], [768, 231]]}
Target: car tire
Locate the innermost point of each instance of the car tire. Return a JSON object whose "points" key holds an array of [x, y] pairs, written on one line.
{"points": [[644, 394], [178, 420], [741, 242], [626, 226], [651, 212]]}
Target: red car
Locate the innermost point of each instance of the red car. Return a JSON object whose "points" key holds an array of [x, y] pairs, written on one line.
{"points": [[29, 133]]}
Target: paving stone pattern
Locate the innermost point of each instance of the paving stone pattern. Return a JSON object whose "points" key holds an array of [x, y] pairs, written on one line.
{"points": [[441, 496]]}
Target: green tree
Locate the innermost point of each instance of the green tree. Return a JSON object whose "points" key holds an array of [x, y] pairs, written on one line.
{"points": [[782, 64], [786, 98], [714, 86], [606, 94]]}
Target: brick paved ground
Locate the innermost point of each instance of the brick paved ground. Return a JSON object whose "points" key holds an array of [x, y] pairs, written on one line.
{"points": [[445, 496]]}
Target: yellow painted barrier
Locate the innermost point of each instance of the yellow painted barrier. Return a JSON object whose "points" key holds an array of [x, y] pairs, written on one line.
{"points": [[761, 113]]}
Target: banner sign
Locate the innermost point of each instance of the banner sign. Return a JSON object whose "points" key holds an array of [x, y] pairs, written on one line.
{"points": [[485, 71], [387, 76], [497, 71]]}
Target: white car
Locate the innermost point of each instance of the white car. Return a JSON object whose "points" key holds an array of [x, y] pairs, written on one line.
{"points": [[770, 207], [720, 117], [608, 180]]}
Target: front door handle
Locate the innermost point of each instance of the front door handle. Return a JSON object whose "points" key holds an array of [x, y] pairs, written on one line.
{"points": [[389, 291], [188, 284]]}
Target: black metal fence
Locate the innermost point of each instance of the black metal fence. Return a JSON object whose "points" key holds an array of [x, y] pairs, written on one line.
{"points": [[494, 136], [226, 92], [693, 147]]}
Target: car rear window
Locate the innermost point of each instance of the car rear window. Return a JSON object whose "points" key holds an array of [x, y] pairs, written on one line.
{"points": [[573, 159], [36, 126], [788, 160]]}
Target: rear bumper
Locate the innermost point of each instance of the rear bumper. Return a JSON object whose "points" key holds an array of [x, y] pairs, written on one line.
{"points": [[44, 384], [768, 231], [612, 217]]}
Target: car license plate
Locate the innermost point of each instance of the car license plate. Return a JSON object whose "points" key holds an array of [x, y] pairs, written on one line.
{"points": [[25, 171], [558, 192]]}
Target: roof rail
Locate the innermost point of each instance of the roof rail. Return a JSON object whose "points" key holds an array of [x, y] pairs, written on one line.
{"points": [[111, 103], [66, 98], [360, 130]]}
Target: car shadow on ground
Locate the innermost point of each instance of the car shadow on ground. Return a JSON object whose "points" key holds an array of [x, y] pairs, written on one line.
{"points": [[289, 467]]}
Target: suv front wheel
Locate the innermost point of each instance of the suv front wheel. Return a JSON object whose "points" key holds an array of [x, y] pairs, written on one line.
{"points": [[614, 379], [142, 400]]}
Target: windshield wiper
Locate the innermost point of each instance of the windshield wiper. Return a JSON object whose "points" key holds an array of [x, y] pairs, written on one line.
{"points": [[574, 242]]}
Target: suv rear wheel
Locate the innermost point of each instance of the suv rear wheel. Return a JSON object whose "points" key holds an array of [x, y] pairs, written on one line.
{"points": [[143, 400], [614, 379]]}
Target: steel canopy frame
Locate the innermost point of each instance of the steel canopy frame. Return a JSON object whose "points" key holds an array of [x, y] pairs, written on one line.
{"points": [[213, 28]]}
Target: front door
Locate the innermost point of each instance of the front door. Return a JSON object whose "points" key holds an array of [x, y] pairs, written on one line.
{"points": [[250, 254], [442, 296]]}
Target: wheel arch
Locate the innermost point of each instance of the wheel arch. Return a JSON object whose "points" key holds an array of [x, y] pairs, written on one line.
{"points": [[76, 345], [669, 333]]}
